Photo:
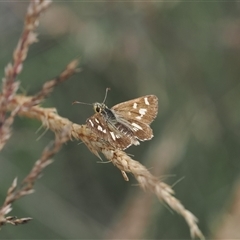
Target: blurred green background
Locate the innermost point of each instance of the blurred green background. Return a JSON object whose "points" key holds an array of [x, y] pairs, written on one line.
{"points": [[186, 53]]}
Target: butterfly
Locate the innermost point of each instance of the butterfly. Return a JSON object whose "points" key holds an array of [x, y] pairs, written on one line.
{"points": [[126, 123]]}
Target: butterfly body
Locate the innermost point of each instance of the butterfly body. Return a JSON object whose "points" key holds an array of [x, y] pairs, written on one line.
{"points": [[125, 123]]}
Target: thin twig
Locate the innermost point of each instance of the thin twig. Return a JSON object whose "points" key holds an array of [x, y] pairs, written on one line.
{"points": [[27, 185], [9, 84], [119, 158]]}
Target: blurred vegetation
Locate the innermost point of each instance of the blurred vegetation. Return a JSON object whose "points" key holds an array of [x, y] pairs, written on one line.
{"points": [[186, 53]]}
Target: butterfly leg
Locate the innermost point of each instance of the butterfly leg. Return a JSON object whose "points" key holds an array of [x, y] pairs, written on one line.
{"points": [[124, 175]]}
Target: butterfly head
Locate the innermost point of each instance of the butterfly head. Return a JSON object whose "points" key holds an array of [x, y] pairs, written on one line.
{"points": [[99, 107]]}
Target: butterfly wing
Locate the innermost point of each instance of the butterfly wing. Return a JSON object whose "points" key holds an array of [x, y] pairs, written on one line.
{"points": [[143, 109], [116, 135], [128, 122], [138, 114]]}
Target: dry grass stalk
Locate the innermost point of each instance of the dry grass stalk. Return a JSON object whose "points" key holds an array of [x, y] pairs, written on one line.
{"points": [[17, 221], [9, 89], [26, 106], [10, 85], [27, 184], [119, 158], [149, 182], [65, 130]]}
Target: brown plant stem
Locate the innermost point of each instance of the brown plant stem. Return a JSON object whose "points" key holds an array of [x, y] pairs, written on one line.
{"points": [[120, 159], [9, 84], [27, 185]]}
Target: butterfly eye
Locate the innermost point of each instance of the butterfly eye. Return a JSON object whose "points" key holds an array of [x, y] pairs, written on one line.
{"points": [[98, 109]]}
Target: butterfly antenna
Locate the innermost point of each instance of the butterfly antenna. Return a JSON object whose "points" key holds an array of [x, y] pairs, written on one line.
{"points": [[81, 103], [107, 89]]}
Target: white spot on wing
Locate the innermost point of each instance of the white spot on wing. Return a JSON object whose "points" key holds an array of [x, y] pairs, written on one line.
{"points": [[104, 131], [138, 117], [99, 128], [142, 111], [146, 101], [113, 136], [136, 126], [135, 105], [96, 120], [91, 122]]}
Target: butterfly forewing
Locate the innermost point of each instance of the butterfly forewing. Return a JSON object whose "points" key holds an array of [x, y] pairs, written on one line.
{"points": [[125, 123], [142, 109]]}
